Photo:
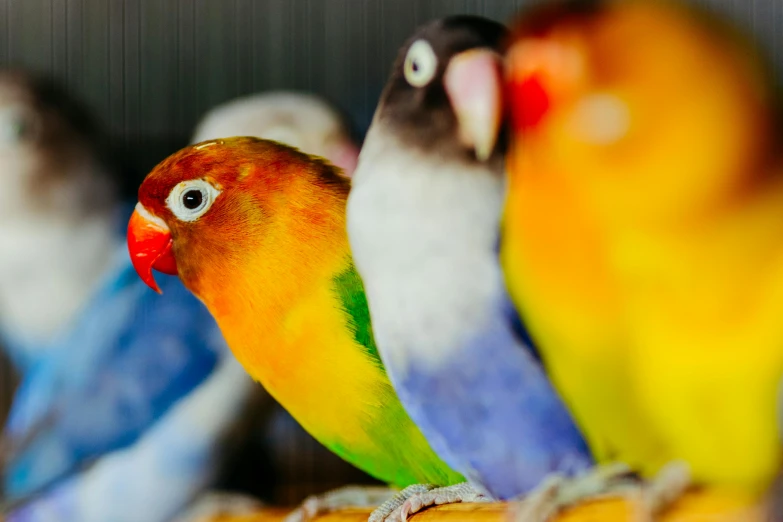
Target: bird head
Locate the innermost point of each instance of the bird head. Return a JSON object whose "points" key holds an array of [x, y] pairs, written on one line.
{"points": [[48, 151], [212, 209], [445, 89], [650, 110], [302, 120]]}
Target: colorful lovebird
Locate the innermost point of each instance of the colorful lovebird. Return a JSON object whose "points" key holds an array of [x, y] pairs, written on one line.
{"points": [[314, 126], [423, 219], [643, 233], [302, 120], [256, 230], [128, 403]]}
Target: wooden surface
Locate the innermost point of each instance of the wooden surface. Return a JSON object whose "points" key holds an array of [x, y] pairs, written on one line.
{"points": [[701, 507]]}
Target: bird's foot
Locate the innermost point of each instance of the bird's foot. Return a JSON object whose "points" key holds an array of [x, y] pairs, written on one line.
{"points": [[557, 492], [656, 495], [419, 496], [349, 496]]}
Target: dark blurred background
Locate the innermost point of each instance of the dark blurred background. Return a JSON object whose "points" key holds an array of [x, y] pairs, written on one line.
{"points": [[149, 69]]}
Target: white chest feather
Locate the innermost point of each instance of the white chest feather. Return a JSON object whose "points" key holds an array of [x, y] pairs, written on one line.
{"points": [[49, 267], [423, 233]]}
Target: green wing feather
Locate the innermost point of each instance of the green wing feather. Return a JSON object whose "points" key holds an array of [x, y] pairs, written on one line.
{"points": [[351, 292], [403, 455]]}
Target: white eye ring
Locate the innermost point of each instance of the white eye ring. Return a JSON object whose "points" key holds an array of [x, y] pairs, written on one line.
{"points": [[420, 64], [16, 125], [183, 196], [600, 119]]}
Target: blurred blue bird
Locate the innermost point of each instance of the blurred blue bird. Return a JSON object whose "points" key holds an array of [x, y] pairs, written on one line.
{"points": [[129, 403], [146, 376]]}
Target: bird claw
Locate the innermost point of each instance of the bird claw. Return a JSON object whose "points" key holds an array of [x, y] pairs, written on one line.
{"points": [[662, 491], [349, 496], [557, 492], [392, 505], [415, 498]]}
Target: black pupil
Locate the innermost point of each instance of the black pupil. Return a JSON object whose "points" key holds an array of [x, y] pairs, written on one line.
{"points": [[192, 199], [415, 66]]}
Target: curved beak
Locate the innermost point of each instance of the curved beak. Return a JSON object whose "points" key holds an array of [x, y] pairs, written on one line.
{"points": [[526, 72], [474, 85], [540, 73], [149, 244]]}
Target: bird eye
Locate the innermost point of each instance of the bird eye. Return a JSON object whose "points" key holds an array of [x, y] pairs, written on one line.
{"points": [[600, 119], [15, 126], [420, 64], [191, 199]]}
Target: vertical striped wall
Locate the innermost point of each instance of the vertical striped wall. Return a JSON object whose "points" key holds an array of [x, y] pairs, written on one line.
{"points": [[150, 68]]}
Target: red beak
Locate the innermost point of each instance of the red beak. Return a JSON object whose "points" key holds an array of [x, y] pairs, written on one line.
{"points": [[531, 103], [149, 244], [526, 68]]}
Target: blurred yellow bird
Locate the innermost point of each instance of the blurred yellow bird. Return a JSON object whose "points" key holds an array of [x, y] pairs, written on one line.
{"points": [[643, 233]]}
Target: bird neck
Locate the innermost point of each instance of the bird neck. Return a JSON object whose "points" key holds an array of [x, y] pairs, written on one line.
{"points": [[425, 233], [282, 287], [284, 320]]}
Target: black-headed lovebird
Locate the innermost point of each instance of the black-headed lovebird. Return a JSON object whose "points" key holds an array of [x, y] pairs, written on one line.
{"points": [[424, 222]]}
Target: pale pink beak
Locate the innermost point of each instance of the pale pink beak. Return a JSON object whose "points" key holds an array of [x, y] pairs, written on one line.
{"points": [[474, 85]]}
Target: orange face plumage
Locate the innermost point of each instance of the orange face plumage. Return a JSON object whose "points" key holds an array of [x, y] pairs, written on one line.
{"points": [[196, 201]]}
